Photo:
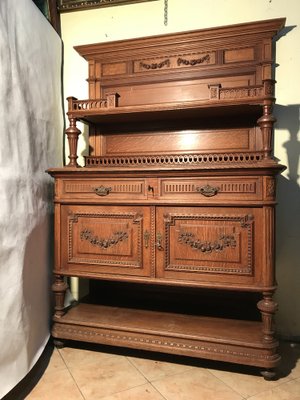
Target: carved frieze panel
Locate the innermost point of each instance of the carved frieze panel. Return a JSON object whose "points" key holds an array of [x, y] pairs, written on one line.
{"points": [[175, 61]]}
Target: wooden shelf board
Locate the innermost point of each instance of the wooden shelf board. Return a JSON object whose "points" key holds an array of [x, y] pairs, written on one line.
{"points": [[167, 324], [168, 112]]}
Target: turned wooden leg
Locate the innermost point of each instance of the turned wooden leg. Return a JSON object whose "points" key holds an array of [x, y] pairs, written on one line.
{"points": [[267, 120], [72, 134], [267, 307], [59, 288]]}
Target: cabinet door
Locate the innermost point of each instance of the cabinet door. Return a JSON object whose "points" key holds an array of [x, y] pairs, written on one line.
{"points": [[210, 245], [100, 240]]}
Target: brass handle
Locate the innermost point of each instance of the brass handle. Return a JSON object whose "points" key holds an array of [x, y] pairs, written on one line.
{"points": [[146, 239], [102, 190], [207, 190], [158, 243]]}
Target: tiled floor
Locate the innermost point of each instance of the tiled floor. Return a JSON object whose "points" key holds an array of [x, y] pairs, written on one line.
{"points": [[91, 372]]}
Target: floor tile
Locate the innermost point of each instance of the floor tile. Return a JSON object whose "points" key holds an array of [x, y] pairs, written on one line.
{"points": [[246, 384], [144, 392], [196, 384], [155, 369], [54, 386], [56, 362], [106, 377], [74, 357], [287, 391]]}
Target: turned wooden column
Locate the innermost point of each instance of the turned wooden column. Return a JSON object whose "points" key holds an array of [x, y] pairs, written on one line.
{"points": [[267, 307], [59, 288], [72, 134], [267, 120]]}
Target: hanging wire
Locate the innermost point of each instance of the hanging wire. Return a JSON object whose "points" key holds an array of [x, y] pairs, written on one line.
{"points": [[165, 12]]}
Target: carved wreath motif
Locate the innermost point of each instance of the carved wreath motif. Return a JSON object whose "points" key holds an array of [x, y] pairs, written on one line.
{"points": [[194, 61], [86, 234], [165, 63], [220, 244]]}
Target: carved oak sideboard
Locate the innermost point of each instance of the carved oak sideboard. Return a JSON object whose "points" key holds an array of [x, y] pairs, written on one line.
{"points": [[178, 190]]}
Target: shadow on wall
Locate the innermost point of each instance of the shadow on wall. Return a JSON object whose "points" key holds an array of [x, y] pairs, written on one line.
{"points": [[288, 228]]}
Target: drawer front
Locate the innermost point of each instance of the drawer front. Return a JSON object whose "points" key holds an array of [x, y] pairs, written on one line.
{"points": [[211, 189], [105, 240], [217, 245], [103, 189]]}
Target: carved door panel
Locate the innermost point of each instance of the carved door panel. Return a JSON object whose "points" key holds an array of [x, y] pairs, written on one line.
{"points": [[105, 240], [211, 245]]}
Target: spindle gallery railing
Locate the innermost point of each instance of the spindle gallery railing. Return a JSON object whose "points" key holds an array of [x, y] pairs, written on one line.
{"points": [[111, 101], [174, 160], [235, 93]]}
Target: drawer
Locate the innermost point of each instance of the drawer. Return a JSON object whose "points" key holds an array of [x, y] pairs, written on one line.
{"points": [[211, 189], [102, 189]]}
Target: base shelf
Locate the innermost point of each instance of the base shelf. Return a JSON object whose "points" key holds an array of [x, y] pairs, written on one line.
{"points": [[220, 339]]}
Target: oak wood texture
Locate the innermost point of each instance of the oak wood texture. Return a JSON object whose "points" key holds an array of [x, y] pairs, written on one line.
{"points": [[203, 337], [178, 190]]}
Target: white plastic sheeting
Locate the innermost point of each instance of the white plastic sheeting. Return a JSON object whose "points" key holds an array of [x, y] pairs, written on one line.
{"points": [[31, 125]]}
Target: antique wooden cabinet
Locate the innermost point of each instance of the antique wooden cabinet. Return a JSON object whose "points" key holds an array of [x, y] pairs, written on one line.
{"points": [[178, 190]]}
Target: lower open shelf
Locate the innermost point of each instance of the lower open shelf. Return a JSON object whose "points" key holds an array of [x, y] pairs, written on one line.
{"points": [[230, 340]]}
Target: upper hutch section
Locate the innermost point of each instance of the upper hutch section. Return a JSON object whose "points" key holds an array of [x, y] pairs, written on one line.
{"points": [[218, 66], [214, 83]]}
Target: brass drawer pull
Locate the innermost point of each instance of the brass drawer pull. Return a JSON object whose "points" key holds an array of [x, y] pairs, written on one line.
{"points": [[158, 243], [102, 190], [207, 190]]}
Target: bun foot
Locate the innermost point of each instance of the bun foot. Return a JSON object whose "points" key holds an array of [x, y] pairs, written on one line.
{"points": [[59, 344], [268, 374]]}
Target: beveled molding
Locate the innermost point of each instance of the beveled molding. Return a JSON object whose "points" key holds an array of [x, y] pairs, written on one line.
{"points": [[74, 5], [189, 347]]}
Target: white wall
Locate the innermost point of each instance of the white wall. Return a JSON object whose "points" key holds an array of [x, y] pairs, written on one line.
{"points": [[145, 19]]}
